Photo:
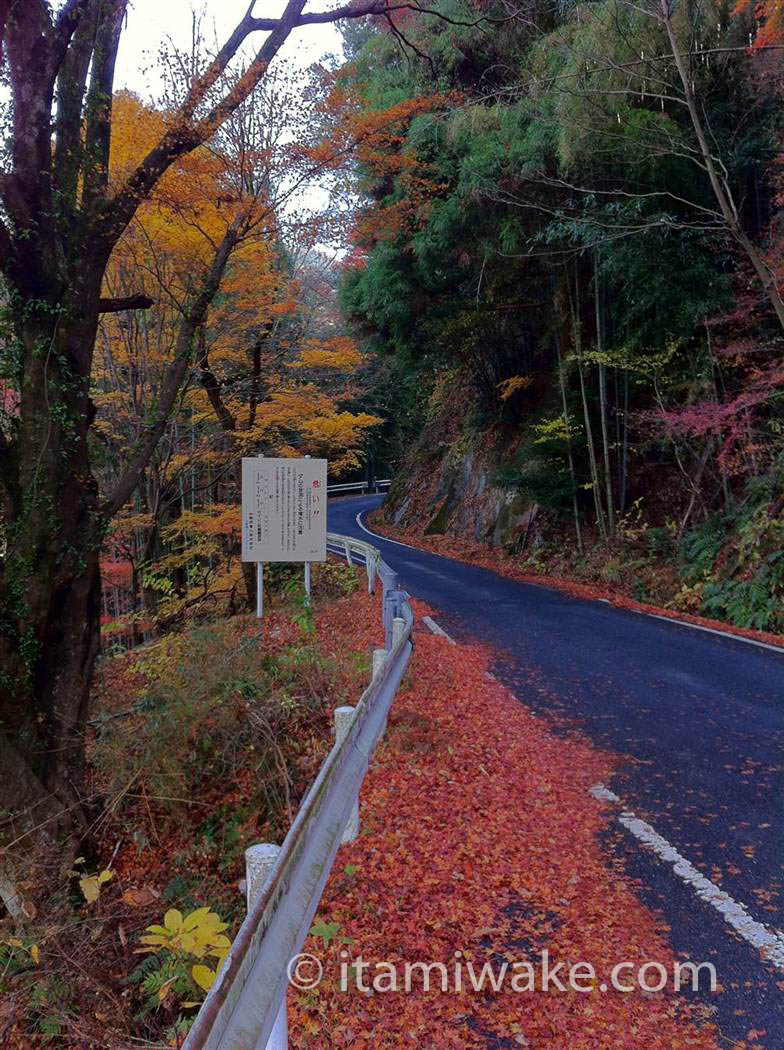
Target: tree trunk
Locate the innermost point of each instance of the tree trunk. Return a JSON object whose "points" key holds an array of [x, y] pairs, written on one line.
{"points": [[568, 423], [625, 456], [608, 486], [719, 185], [50, 590], [137, 633], [578, 353]]}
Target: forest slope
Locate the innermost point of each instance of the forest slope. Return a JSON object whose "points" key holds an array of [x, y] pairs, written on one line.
{"points": [[569, 259]]}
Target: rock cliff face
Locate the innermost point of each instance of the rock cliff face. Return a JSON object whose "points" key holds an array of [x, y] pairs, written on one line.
{"points": [[452, 491]]}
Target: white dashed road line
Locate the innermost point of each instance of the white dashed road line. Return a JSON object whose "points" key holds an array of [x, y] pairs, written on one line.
{"points": [[434, 627], [769, 942]]}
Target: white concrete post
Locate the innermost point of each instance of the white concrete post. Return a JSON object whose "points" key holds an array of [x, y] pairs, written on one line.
{"points": [[259, 589], [343, 716], [307, 573], [379, 656], [398, 629], [390, 605], [259, 862]]}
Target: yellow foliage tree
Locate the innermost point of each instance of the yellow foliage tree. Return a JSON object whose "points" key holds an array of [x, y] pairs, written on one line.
{"points": [[263, 374]]}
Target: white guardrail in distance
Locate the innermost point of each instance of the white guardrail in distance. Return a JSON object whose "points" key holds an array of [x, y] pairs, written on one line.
{"points": [[359, 486], [245, 1008]]}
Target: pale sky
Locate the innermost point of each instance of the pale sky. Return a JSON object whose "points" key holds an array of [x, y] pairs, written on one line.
{"points": [[154, 22], [151, 22]]}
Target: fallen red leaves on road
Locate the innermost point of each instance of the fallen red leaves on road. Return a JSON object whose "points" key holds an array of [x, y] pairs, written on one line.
{"points": [[479, 837]]}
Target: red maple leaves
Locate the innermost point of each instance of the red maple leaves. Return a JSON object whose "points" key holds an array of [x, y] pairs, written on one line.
{"points": [[479, 837]]}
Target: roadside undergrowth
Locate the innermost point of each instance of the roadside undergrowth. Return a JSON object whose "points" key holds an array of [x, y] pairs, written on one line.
{"points": [[201, 744]]}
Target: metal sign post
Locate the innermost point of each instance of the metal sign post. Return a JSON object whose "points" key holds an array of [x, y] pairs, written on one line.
{"points": [[306, 580], [284, 514]]}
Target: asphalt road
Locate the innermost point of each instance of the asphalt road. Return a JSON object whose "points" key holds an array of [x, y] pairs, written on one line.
{"points": [[698, 720]]}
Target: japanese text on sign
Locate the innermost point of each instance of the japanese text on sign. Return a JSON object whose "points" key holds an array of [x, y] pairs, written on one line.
{"points": [[284, 509]]}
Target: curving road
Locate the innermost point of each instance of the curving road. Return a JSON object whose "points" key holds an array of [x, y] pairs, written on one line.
{"points": [[698, 720]]}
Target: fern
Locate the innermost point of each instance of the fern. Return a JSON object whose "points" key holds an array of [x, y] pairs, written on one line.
{"points": [[149, 964], [49, 1029], [700, 548]]}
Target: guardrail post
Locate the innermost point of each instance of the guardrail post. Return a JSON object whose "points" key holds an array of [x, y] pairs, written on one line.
{"points": [[379, 656], [398, 627], [347, 547], [391, 607], [389, 580], [343, 716], [259, 862]]}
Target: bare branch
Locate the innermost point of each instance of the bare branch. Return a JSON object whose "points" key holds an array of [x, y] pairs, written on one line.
{"points": [[212, 387], [718, 181], [618, 192], [185, 134], [378, 8], [140, 301], [406, 43], [188, 132], [175, 372]]}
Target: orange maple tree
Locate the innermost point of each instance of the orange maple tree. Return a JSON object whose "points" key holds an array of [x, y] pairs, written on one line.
{"points": [[267, 375]]}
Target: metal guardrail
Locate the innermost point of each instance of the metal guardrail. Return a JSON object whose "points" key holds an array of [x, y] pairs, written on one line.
{"points": [[359, 486], [245, 1008], [357, 551]]}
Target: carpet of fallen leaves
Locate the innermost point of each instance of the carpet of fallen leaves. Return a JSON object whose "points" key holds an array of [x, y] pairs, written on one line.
{"points": [[478, 836], [497, 560]]}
